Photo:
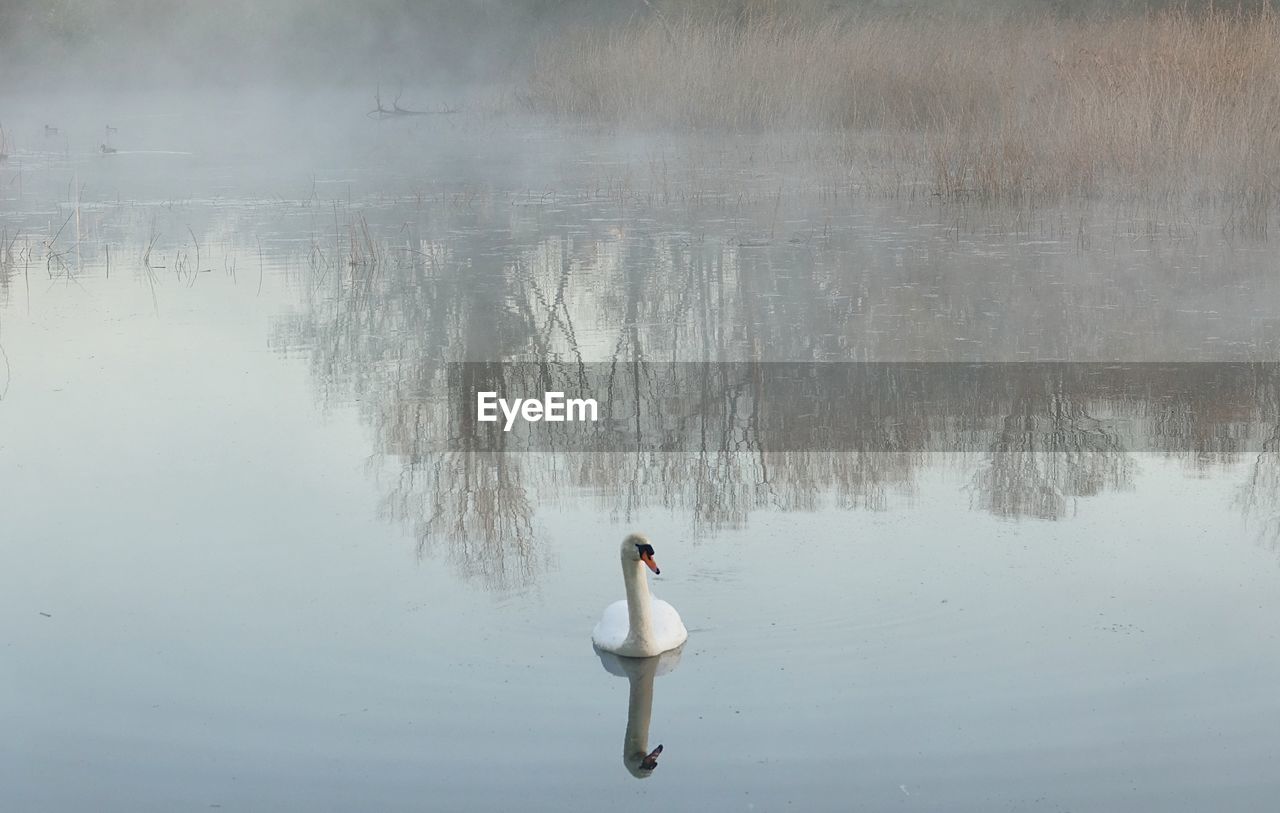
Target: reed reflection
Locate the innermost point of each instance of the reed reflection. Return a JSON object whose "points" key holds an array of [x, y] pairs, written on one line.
{"points": [[640, 673]]}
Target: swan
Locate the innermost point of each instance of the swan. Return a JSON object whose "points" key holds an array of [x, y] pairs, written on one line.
{"points": [[640, 625]]}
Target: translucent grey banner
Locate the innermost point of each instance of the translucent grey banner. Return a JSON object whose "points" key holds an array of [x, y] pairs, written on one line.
{"points": [[1209, 408]]}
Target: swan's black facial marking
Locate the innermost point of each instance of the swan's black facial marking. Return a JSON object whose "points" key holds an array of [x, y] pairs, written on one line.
{"points": [[645, 552]]}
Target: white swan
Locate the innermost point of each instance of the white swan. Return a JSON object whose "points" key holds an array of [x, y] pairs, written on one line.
{"points": [[640, 625]]}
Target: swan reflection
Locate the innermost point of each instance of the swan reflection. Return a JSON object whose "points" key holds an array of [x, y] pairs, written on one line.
{"points": [[639, 760]]}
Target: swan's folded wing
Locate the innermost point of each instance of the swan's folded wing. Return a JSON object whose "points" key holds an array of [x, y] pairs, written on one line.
{"points": [[668, 629], [613, 627]]}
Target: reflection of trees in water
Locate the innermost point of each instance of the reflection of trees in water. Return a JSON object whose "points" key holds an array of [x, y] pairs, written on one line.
{"points": [[1041, 484], [1259, 497], [383, 334], [720, 489], [479, 504], [1046, 451], [488, 284]]}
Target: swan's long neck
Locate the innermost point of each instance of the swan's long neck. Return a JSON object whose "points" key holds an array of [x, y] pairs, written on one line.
{"points": [[638, 601]]}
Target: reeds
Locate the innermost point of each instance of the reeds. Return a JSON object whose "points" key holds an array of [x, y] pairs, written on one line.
{"points": [[1177, 103]]}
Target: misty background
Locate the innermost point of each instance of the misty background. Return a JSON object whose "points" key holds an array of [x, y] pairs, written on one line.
{"points": [[125, 44]]}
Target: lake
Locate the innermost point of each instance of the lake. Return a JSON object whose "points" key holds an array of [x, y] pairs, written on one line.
{"points": [[964, 508]]}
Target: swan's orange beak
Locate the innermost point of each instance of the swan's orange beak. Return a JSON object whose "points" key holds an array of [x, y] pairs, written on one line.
{"points": [[647, 558]]}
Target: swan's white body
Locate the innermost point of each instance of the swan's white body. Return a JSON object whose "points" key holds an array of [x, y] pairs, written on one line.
{"points": [[640, 625]]}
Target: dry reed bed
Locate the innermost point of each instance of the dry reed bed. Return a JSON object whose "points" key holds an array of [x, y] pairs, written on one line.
{"points": [[1175, 104]]}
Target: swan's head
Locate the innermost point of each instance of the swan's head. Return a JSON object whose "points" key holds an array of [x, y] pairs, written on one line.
{"points": [[640, 764], [636, 548]]}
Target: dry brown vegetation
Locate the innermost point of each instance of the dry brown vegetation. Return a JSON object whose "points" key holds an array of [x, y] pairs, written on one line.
{"points": [[1173, 104]]}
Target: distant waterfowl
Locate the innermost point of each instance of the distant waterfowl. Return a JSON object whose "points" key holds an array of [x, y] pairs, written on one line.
{"points": [[639, 625], [108, 150]]}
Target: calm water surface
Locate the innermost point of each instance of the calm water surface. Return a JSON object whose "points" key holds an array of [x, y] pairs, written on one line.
{"points": [[246, 566]]}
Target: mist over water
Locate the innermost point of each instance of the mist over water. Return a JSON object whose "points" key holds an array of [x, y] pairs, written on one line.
{"points": [[286, 45], [965, 506]]}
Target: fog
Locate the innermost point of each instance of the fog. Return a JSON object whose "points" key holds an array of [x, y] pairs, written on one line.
{"points": [[120, 44], [110, 45]]}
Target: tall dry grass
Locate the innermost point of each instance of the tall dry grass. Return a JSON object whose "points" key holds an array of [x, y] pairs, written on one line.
{"points": [[1175, 103]]}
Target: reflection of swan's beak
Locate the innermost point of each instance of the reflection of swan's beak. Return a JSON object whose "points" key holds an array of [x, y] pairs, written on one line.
{"points": [[647, 558], [650, 762]]}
